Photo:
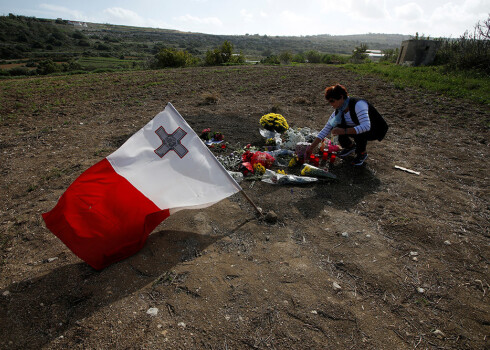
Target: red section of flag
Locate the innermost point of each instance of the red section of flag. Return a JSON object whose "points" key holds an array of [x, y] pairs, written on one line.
{"points": [[102, 218]]}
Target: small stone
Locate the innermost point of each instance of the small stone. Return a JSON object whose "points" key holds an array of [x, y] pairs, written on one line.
{"points": [[415, 258], [414, 253], [6, 293], [447, 242], [336, 286], [153, 311], [439, 334], [344, 234], [314, 312], [181, 324], [52, 259], [368, 236], [420, 290]]}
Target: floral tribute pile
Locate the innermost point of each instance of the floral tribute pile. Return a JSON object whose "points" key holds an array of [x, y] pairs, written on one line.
{"points": [[281, 157]]}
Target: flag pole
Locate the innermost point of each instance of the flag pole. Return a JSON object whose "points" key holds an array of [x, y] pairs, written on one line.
{"points": [[252, 203]]}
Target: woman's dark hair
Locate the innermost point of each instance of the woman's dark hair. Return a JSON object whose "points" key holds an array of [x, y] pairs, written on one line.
{"points": [[336, 92]]}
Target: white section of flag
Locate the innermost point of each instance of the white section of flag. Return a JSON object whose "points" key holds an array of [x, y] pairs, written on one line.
{"points": [[194, 181]]}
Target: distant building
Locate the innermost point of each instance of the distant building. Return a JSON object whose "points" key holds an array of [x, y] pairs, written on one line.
{"points": [[374, 55], [417, 52], [78, 24]]}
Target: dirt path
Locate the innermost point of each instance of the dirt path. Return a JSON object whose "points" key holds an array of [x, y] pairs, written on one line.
{"points": [[409, 253]]}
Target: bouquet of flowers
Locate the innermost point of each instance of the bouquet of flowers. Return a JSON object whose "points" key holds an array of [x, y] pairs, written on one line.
{"points": [[259, 169], [263, 158], [285, 179], [274, 122], [313, 171], [256, 162], [218, 136], [292, 137], [270, 142], [206, 134]]}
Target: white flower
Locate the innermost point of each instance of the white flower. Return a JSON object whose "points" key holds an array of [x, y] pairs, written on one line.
{"points": [[292, 137]]}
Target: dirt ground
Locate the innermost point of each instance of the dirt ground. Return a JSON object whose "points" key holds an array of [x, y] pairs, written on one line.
{"points": [[379, 259]]}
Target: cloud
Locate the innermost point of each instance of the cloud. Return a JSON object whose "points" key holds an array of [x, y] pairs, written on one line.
{"points": [[292, 17], [247, 16], [61, 11], [409, 12], [128, 17], [461, 12], [360, 10], [371, 9], [197, 20]]}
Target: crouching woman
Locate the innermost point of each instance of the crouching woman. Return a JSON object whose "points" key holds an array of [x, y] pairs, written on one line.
{"points": [[354, 120]]}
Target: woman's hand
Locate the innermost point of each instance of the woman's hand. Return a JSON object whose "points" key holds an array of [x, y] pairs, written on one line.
{"points": [[339, 131]]}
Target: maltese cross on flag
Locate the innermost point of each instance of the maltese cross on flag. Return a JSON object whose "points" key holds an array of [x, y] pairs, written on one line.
{"points": [[107, 213]]}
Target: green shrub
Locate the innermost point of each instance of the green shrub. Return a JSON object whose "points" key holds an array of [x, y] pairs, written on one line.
{"points": [[18, 71], [390, 55], [285, 57], [359, 54], [47, 67], [313, 56], [469, 52], [174, 58], [273, 59], [222, 55], [298, 58], [334, 59]]}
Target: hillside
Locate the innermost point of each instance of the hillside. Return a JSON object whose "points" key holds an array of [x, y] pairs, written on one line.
{"points": [[29, 37]]}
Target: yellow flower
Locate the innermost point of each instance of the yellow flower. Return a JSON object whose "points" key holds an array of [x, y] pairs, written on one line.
{"points": [[282, 172], [270, 142], [259, 169], [306, 170], [273, 121], [293, 162]]}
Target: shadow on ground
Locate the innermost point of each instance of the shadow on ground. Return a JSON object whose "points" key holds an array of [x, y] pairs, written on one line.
{"points": [[41, 309], [350, 187]]}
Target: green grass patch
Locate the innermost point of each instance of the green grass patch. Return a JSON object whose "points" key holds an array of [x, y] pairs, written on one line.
{"points": [[106, 63], [468, 85]]}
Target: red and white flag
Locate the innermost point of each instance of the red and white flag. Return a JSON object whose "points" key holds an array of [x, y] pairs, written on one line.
{"points": [[108, 212]]}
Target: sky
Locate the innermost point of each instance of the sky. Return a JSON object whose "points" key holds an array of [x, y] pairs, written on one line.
{"points": [[433, 18]]}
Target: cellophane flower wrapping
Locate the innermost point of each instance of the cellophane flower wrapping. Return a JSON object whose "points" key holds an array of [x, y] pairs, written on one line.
{"points": [[272, 177], [300, 148], [310, 170]]}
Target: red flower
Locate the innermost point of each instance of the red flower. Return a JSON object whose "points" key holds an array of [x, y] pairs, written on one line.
{"points": [[247, 156], [218, 136]]}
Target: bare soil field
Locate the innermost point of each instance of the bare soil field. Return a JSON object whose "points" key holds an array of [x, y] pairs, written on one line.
{"points": [[379, 259]]}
